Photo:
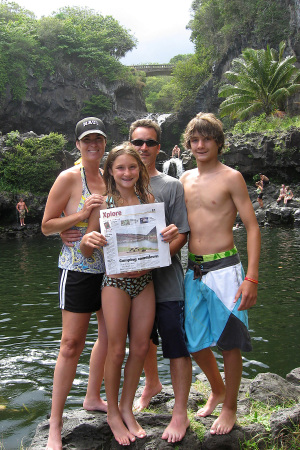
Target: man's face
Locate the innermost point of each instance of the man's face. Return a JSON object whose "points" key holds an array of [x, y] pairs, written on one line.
{"points": [[148, 154]]}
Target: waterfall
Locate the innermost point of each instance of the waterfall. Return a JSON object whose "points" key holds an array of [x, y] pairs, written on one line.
{"points": [[173, 167], [159, 118]]}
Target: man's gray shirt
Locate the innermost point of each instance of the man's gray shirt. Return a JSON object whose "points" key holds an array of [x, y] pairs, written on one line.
{"points": [[168, 281]]}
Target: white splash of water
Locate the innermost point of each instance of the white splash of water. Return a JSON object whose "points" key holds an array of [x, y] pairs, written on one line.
{"points": [[177, 167], [159, 118]]}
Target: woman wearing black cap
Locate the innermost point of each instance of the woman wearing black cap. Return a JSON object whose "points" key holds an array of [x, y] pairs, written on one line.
{"points": [[74, 194]]}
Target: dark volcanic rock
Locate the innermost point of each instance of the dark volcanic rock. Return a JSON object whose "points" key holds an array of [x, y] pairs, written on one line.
{"points": [[58, 104], [89, 430]]}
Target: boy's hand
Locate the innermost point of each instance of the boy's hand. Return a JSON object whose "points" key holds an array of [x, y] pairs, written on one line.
{"points": [[70, 236], [248, 290], [169, 233]]}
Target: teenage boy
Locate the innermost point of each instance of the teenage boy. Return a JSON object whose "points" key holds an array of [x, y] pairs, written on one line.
{"points": [[217, 292]]}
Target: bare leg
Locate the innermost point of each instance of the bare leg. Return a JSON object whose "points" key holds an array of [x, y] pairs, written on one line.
{"points": [[116, 306], [233, 374], [141, 324], [181, 374], [93, 401], [208, 364], [75, 327], [152, 384]]}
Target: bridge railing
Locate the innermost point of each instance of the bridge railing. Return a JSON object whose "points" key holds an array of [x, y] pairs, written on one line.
{"points": [[153, 66]]}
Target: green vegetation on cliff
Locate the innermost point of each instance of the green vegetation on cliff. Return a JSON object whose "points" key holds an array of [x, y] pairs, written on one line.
{"points": [[31, 164], [259, 81], [217, 27], [76, 40]]}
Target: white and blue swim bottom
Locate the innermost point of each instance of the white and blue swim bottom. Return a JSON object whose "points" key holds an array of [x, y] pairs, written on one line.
{"points": [[211, 316]]}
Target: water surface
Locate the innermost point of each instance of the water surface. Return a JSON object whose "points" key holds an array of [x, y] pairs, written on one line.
{"points": [[30, 326]]}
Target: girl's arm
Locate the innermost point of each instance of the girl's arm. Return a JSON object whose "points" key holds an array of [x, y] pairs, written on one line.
{"points": [[93, 238]]}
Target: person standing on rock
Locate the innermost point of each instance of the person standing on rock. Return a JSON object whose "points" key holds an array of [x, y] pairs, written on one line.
{"points": [[74, 194], [263, 181], [145, 135], [21, 207], [217, 292]]}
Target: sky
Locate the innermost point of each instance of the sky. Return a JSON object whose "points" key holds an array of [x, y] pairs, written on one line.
{"points": [[158, 25]]}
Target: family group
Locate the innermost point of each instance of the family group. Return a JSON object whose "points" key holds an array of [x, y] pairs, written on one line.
{"points": [[188, 313]]}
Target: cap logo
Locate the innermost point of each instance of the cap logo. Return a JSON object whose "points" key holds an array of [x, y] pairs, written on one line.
{"points": [[90, 122]]}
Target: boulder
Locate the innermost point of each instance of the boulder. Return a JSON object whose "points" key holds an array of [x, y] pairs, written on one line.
{"points": [[89, 430]]}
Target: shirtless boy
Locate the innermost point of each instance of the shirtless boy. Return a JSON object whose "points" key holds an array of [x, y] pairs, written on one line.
{"points": [[217, 293], [21, 207]]}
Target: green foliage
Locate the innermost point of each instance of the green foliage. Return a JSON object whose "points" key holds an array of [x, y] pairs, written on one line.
{"points": [[260, 81], [220, 24], [264, 124], [12, 138], [188, 75], [180, 57], [158, 97], [166, 94], [97, 105], [76, 39], [121, 126], [196, 426], [32, 165]]}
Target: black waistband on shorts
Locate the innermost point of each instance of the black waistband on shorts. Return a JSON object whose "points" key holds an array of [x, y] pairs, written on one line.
{"points": [[205, 267]]}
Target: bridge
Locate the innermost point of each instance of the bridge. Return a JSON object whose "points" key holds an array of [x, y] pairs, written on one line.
{"points": [[153, 70]]}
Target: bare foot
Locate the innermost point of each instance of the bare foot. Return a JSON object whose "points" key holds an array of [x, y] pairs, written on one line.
{"points": [[147, 394], [54, 439], [133, 426], [121, 433], [224, 423], [210, 405], [95, 404], [176, 429]]}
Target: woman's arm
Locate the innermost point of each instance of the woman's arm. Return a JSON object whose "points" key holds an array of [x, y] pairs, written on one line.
{"points": [[59, 196]]}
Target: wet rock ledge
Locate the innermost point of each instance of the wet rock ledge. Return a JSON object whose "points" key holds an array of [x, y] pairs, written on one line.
{"points": [[89, 430]]}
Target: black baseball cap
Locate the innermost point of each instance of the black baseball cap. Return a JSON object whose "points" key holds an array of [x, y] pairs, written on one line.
{"points": [[89, 125]]}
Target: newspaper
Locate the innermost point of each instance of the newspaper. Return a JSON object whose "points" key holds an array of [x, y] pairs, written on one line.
{"points": [[133, 237]]}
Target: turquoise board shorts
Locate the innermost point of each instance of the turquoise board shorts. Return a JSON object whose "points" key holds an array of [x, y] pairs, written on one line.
{"points": [[211, 316]]}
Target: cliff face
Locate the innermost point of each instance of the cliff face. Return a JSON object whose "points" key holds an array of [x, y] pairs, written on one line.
{"points": [[58, 104], [207, 99]]}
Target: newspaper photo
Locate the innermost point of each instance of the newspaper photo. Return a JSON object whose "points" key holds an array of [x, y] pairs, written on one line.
{"points": [[133, 237]]}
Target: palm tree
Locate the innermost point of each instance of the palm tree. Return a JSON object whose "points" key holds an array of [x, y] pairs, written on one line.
{"points": [[261, 81]]}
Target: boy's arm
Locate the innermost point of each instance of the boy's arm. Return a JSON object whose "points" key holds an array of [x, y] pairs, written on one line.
{"points": [[178, 243], [242, 201]]}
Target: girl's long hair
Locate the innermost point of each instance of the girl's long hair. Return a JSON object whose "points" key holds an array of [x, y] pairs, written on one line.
{"points": [[142, 186]]}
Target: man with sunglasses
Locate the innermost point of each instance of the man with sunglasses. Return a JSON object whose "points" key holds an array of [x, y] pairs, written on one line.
{"points": [[145, 135]]}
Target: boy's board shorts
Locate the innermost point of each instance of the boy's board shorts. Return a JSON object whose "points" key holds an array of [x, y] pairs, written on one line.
{"points": [[211, 316]]}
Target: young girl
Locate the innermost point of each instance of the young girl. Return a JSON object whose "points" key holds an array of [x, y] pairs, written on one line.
{"points": [[127, 298]]}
